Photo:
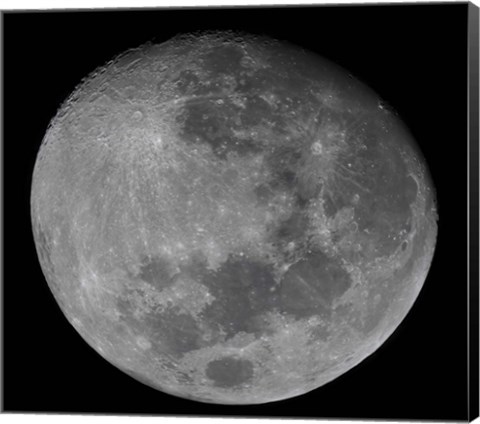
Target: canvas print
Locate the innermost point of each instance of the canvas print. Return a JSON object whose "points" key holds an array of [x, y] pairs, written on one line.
{"points": [[230, 216]]}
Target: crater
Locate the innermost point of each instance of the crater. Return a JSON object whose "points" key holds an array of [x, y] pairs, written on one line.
{"points": [[137, 115], [186, 82], [229, 372]]}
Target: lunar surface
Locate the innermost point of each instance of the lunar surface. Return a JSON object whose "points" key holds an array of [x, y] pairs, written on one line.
{"points": [[231, 219]]}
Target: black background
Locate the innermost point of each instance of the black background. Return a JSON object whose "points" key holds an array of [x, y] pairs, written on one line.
{"points": [[414, 56]]}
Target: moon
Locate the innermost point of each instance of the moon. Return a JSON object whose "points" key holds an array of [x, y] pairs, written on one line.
{"points": [[231, 219]]}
